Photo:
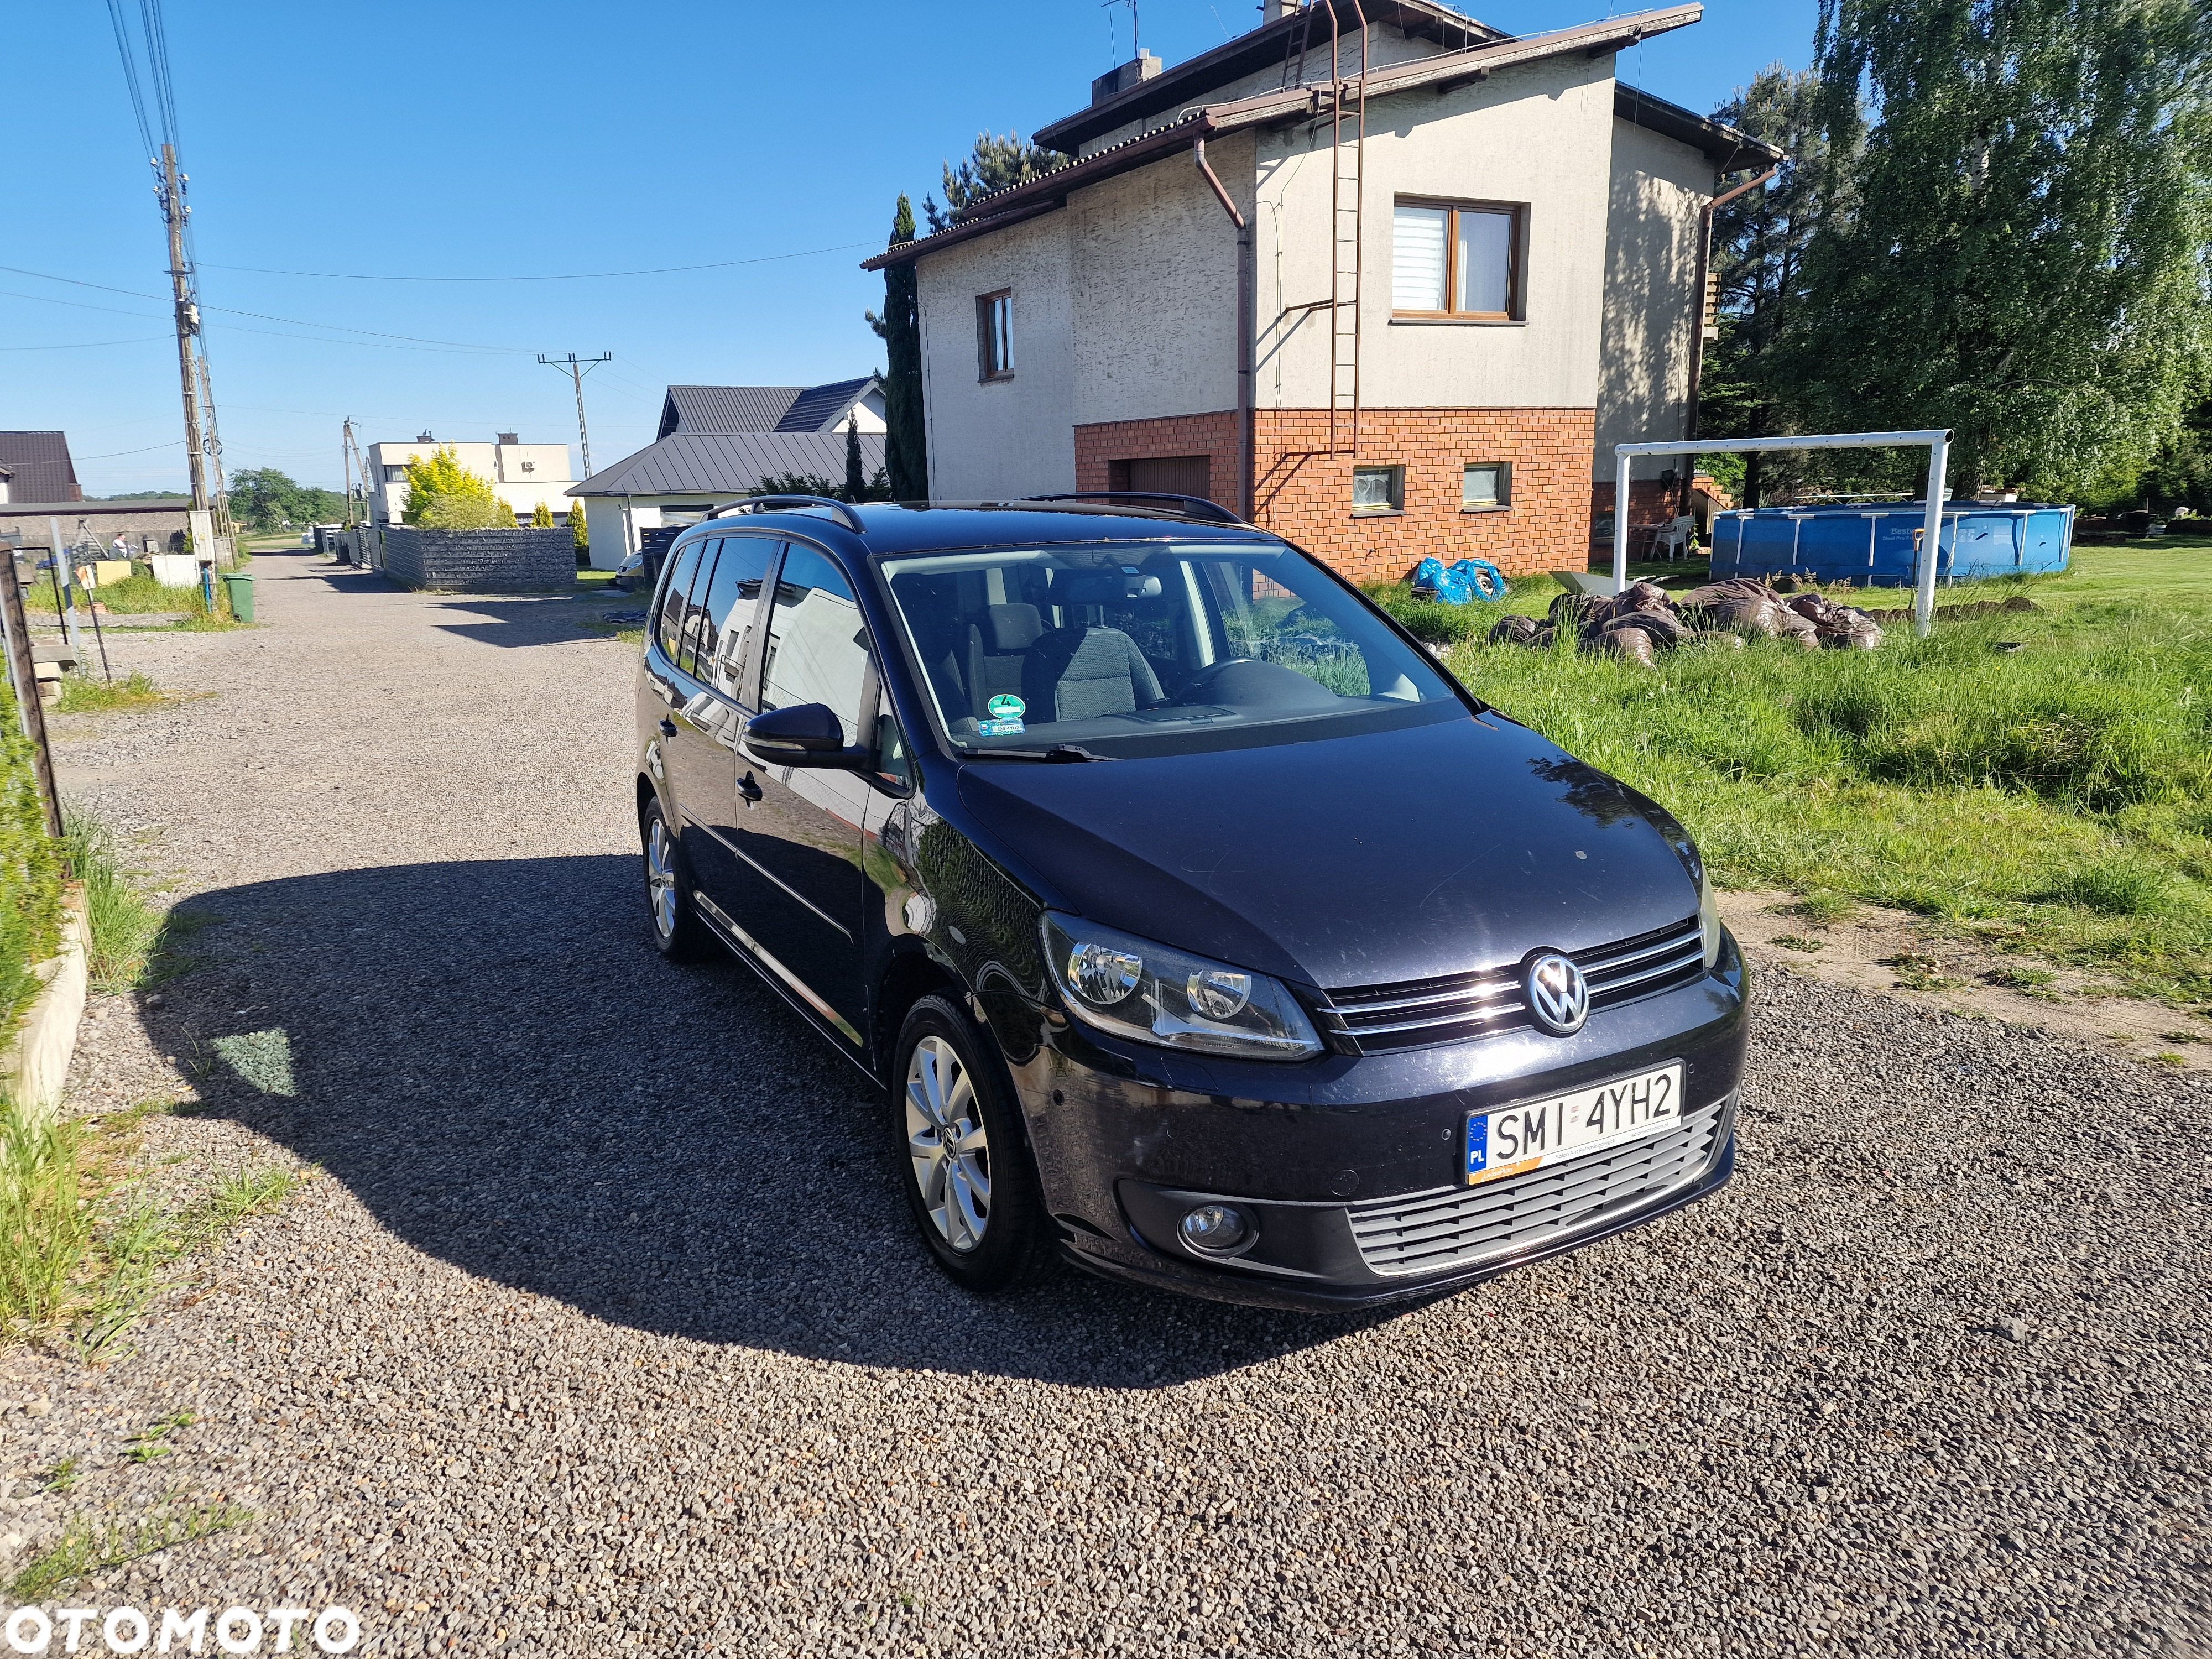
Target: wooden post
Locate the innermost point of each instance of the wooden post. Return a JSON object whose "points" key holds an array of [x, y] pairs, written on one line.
{"points": [[23, 675]]}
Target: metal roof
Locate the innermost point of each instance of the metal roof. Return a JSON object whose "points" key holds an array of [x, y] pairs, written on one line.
{"points": [[1439, 72], [1727, 149], [823, 408], [39, 462], [728, 410], [727, 463]]}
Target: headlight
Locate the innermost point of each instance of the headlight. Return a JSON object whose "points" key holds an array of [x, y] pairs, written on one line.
{"points": [[1136, 988], [1708, 917]]}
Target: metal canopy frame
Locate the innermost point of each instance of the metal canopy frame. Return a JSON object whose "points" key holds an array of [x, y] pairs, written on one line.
{"points": [[1938, 459]]}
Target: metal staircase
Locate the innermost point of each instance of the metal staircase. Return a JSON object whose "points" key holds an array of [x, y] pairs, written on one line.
{"points": [[1347, 112]]}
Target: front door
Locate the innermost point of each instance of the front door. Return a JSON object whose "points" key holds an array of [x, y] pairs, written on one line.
{"points": [[800, 827], [718, 634]]}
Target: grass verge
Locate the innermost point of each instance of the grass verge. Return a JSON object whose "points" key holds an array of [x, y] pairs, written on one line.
{"points": [[87, 1547], [2056, 797], [127, 928], [83, 695]]}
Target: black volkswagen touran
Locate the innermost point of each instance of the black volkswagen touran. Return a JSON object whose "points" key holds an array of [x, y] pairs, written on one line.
{"points": [[1195, 923]]}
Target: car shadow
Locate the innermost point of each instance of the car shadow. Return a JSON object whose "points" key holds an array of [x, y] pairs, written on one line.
{"points": [[495, 1060], [539, 619]]}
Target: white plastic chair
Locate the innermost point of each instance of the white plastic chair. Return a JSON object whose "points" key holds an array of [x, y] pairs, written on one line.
{"points": [[1673, 540]]}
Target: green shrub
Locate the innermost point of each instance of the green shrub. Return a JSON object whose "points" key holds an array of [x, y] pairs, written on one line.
{"points": [[30, 870]]}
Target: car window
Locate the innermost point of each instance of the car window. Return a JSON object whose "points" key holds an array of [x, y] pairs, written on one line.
{"points": [[691, 634], [674, 600], [817, 646], [1136, 648], [732, 594]]}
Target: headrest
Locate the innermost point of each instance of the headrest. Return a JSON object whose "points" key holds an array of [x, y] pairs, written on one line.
{"points": [[1111, 585], [1011, 628]]}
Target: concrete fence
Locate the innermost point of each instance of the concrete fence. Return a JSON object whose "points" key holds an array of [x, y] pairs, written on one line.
{"points": [[479, 561]]}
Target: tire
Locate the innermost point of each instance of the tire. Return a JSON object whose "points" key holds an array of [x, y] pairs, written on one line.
{"points": [[977, 1205], [677, 932]]}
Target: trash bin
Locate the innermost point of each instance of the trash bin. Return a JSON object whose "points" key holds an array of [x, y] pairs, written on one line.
{"points": [[240, 585]]}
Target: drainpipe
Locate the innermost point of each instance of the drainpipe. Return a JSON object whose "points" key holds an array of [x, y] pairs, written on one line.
{"points": [[1698, 321], [1247, 484]]}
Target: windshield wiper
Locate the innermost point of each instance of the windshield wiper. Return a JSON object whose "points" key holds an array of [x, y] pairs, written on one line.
{"points": [[1058, 751]]}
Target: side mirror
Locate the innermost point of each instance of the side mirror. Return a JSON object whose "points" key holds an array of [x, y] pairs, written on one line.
{"points": [[804, 734]]}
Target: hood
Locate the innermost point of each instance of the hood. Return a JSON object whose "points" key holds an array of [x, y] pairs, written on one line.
{"points": [[1364, 859]]}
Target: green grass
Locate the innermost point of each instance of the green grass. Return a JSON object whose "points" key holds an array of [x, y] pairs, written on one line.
{"points": [[2058, 797], [30, 870], [83, 695], [87, 1547], [45, 1228], [141, 1241], [127, 926]]}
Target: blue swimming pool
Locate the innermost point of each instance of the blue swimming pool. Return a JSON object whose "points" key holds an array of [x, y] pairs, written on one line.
{"points": [[1875, 546]]}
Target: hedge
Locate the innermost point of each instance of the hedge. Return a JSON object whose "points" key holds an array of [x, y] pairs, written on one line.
{"points": [[30, 871]]}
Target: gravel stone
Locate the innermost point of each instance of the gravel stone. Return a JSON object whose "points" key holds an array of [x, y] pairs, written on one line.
{"points": [[602, 1329]]}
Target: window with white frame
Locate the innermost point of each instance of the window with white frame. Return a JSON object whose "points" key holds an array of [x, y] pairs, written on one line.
{"points": [[1484, 484], [1456, 259], [1378, 489], [994, 335]]}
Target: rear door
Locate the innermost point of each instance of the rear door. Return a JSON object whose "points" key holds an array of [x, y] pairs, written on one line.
{"points": [[670, 688], [799, 836], [725, 599]]}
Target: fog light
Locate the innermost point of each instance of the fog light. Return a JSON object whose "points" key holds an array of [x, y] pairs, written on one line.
{"points": [[1216, 1229]]}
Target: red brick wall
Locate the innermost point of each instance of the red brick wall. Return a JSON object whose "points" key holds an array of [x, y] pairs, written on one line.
{"points": [[1212, 435], [1650, 504], [1307, 496]]}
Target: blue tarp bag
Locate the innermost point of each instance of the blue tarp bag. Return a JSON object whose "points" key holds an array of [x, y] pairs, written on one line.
{"points": [[1462, 583]]}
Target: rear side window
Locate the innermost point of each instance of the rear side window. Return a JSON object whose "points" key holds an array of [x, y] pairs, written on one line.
{"points": [[732, 595], [817, 646], [674, 600]]}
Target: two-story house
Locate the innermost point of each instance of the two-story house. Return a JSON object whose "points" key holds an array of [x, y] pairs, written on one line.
{"points": [[1388, 281]]}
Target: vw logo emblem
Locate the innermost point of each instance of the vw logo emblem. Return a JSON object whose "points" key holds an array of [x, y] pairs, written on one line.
{"points": [[1557, 994]]}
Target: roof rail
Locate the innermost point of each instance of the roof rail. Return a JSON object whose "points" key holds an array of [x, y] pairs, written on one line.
{"points": [[841, 511], [1187, 506]]}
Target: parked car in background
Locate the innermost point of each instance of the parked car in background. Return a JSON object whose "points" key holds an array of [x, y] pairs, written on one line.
{"points": [[1197, 924]]}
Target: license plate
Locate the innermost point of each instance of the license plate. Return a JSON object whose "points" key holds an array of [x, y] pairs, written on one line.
{"points": [[1519, 1138]]}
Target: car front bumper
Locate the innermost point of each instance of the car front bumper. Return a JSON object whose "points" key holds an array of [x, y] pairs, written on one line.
{"points": [[1351, 1164]]}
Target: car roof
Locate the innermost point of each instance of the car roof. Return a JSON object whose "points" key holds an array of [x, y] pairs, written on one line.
{"points": [[908, 527]]}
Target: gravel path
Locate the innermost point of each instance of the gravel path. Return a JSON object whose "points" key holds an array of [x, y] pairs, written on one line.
{"points": [[602, 1331]]}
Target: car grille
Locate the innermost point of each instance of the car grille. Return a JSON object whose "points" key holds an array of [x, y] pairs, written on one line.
{"points": [[1421, 1013], [1462, 1226]]}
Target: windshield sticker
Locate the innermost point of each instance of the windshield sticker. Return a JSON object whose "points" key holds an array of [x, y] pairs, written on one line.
{"points": [[1007, 706], [999, 728]]}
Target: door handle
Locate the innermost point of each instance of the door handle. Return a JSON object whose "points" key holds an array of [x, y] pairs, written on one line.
{"points": [[748, 789], [668, 728]]}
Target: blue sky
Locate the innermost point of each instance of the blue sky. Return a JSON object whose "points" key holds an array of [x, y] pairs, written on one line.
{"points": [[477, 140]]}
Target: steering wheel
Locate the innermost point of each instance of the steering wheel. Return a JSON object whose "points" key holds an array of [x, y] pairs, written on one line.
{"points": [[1194, 688]]}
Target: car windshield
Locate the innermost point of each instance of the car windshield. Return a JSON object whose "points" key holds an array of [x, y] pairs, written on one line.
{"points": [[1122, 650]]}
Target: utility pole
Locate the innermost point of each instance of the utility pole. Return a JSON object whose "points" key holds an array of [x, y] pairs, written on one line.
{"points": [[187, 318], [576, 368]]}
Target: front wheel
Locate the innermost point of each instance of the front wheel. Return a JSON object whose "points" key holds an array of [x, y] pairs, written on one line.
{"points": [[967, 1174], [677, 931]]}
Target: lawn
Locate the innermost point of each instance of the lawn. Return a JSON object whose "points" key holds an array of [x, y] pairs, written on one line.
{"points": [[2056, 797]]}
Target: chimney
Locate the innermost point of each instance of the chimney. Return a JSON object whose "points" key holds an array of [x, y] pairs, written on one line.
{"points": [[1141, 68], [509, 438], [1273, 11], [424, 438]]}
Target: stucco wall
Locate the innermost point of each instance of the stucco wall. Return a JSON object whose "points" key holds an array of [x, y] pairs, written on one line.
{"points": [[1013, 437], [1650, 316], [1540, 135], [1155, 287]]}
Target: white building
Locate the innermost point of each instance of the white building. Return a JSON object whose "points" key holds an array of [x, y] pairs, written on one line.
{"points": [[1392, 291], [523, 474], [718, 443]]}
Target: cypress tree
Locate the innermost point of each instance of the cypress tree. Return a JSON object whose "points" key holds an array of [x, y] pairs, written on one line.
{"points": [[906, 459], [856, 480]]}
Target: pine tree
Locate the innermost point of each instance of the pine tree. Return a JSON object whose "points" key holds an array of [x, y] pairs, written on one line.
{"points": [[856, 477], [906, 458], [2013, 233], [995, 164]]}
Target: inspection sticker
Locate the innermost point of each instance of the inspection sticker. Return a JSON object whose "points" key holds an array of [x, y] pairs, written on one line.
{"points": [[1007, 706], [1000, 728]]}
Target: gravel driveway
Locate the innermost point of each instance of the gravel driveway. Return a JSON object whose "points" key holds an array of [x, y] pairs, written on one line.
{"points": [[603, 1330]]}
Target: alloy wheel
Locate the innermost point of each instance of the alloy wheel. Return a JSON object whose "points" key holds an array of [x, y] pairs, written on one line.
{"points": [[945, 1139], [660, 877]]}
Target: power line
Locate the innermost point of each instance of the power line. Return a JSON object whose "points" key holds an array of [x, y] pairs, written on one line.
{"points": [[551, 276], [87, 345], [260, 316]]}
